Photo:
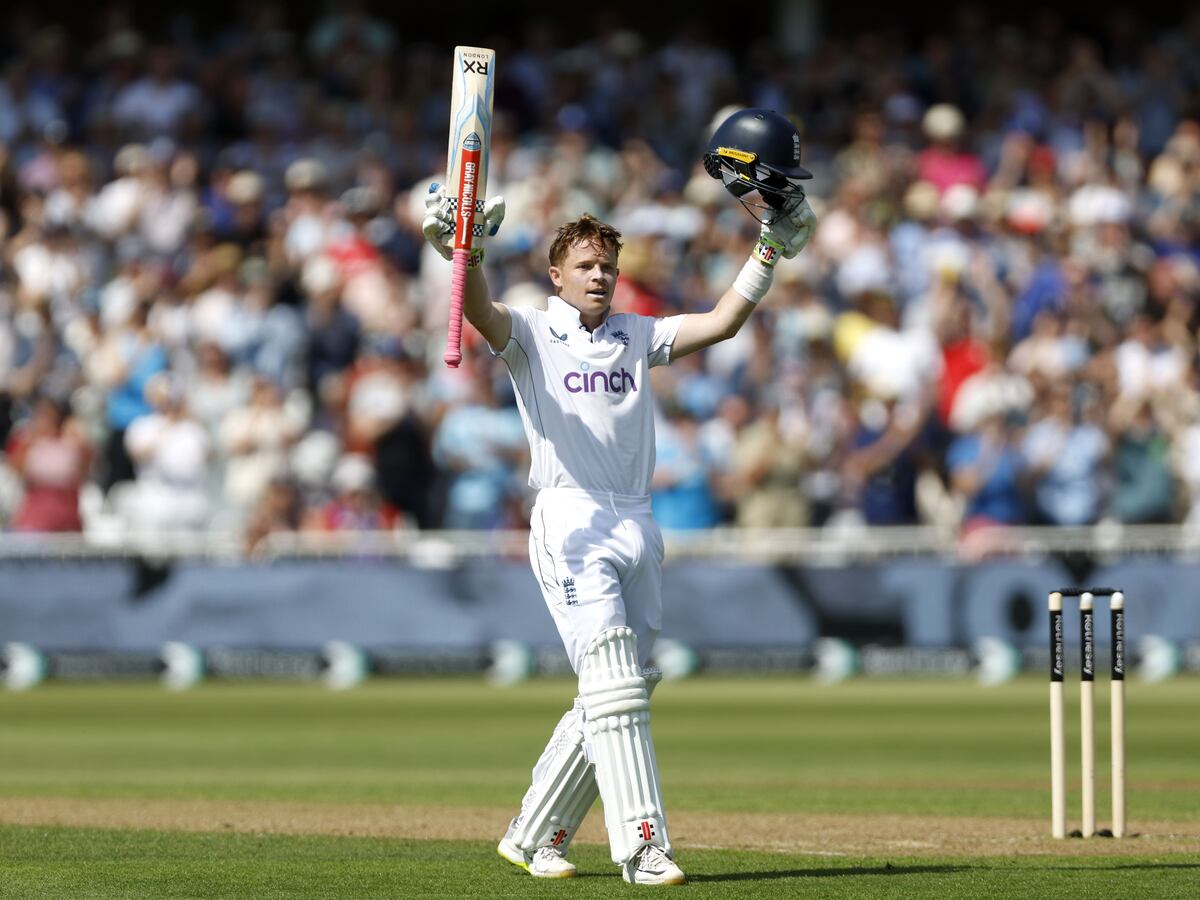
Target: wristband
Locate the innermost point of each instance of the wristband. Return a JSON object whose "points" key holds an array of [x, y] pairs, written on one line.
{"points": [[475, 260], [755, 279], [768, 251]]}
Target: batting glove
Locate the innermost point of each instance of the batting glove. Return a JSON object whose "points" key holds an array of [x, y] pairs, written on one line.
{"points": [[438, 224], [786, 236]]}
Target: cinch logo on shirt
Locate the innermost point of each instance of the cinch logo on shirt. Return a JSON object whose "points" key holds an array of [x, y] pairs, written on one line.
{"points": [[596, 382]]}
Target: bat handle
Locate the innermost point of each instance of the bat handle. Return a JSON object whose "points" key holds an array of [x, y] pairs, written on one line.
{"points": [[458, 289]]}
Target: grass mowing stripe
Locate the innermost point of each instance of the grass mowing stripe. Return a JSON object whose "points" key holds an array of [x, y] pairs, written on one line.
{"points": [[785, 744]]}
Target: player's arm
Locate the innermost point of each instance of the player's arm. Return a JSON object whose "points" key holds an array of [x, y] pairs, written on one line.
{"points": [[489, 318], [723, 321], [783, 238]]}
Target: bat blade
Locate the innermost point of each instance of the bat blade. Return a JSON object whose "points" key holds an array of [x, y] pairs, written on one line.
{"points": [[466, 171]]}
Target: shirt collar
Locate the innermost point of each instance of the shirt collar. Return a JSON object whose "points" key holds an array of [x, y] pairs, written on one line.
{"points": [[564, 315]]}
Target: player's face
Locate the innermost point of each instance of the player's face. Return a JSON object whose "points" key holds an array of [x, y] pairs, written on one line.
{"points": [[586, 280]]}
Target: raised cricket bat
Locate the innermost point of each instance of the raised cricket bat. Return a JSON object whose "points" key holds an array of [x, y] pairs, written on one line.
{"points": [[466, 171]]}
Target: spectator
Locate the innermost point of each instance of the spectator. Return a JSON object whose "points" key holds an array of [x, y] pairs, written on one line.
{"points": [[719, 437], [271, 333], [1144, 490], [213, 279], [356, 504], [333, 334], [348, 36], [371, 290], [23, 112], [1064, 456], [68, 203], [49, 264], [985, 470], [1187, 464], [158, 104], [944, 163], [278, 511], [255, 439], [307, 218], [383, 388], [681, 491], [1146, 363], [879, 475], [765, 479], [33, 352], [216, 389], [964, 354], [168, 199], [238, 210], [248, 204], [124, 363], [991, 391], [51, 454], [117, 206], [171, 452], [480, 445], [1050, 353]]}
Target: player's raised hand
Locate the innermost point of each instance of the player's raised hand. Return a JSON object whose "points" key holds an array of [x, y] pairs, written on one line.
{"points": [[438, 224], [493, 215], [787, 235]]}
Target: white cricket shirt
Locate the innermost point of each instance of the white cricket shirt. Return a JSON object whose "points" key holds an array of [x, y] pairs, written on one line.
{"points": [[585, 397]]}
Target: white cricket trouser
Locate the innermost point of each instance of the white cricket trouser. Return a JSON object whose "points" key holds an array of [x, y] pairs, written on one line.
{"points": [[598, 557]]}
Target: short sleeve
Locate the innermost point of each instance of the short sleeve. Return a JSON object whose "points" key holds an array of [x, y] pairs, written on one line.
{"points": [[520, 341], [662, 337]]}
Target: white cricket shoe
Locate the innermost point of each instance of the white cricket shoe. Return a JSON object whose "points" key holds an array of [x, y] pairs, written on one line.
{"points": [[545, 862], [651, 865]]}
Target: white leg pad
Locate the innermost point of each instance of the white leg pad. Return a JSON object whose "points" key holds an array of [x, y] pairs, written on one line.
{"points": [[564, 784], [562, 792], [616, 701]]}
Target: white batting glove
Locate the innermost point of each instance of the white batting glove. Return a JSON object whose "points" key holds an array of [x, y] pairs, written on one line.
{"points": [[786, 236], [438, 224]]}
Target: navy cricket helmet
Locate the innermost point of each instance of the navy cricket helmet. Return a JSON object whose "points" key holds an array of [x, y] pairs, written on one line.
{"points": [[758, 150]]}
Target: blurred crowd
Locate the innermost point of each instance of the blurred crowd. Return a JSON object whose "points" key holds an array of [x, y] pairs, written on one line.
{"points": [[217, 312]]}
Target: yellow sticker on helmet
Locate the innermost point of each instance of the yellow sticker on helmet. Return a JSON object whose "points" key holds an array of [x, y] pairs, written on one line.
{"points": [[740, 155]]}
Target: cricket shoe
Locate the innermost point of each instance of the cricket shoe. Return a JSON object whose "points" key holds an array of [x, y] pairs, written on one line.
{"points": [[544, 862], [651, 865]]}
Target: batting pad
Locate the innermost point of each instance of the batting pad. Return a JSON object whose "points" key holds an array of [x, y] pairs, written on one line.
{"points": [[616, 701], [564, 784], [562, 792]]}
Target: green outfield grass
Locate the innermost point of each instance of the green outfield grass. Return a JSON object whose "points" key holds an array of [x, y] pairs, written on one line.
{"points": [[729, 745], [80, 863], [782, 744]]}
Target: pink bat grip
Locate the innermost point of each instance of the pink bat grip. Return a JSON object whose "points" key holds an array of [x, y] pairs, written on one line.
{"points": [[458, 288]]}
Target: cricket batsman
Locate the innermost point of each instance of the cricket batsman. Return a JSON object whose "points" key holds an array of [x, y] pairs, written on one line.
{"points": [[580, 375]]}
